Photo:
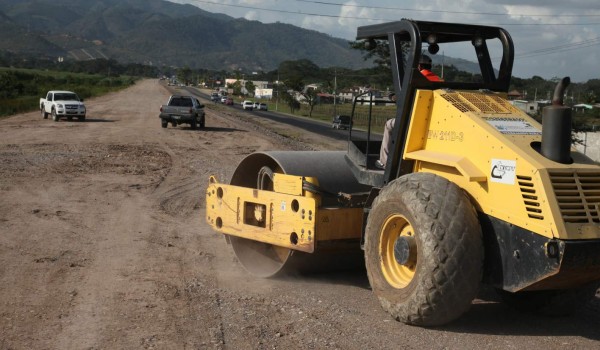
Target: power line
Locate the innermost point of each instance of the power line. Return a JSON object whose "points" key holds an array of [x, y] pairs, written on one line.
{"points": [[546, 24], [390, 20], [593, 41], [292, 12], [561, 48], [442, 11]]}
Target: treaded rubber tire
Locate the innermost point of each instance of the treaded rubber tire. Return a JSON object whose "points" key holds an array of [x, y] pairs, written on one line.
{"points": [[449, 247], [55, 116], [550, 302], [164, 123], [44, 114], [193, 124]]}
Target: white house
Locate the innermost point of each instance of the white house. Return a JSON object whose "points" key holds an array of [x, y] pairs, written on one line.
{"points": [[263, 93], [530, 107]]}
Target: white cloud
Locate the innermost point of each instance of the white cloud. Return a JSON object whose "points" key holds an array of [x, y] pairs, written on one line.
{"points": [[252, 16], [343, 22], [352, 16]]}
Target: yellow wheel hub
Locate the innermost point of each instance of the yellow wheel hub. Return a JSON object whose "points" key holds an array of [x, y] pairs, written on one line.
{"points": [[397, 232]]}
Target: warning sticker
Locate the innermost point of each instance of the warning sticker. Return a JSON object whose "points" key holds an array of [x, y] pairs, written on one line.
{"points": [[513, 126], [503, 171]]}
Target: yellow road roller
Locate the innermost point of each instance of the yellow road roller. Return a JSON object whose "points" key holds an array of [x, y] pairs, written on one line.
{"points": [[473, 191]]}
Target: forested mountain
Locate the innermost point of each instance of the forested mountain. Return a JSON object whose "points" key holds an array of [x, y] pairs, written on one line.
{"points": [[161, 33]]}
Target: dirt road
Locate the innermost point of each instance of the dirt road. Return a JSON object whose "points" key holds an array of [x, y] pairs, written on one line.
{"points": [[103, 245]]}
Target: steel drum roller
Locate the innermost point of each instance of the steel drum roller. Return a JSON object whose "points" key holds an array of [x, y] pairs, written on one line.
{"points": [[333, 173]]}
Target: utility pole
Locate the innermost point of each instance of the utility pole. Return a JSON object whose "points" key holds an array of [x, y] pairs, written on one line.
{"points": [[443, 59], [277, 99], [334, 92]]}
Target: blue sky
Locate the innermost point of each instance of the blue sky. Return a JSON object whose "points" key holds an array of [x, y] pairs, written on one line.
{"points": [[556, 39]]}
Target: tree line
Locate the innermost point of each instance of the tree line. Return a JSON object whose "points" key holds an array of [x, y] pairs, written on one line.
{"points": [[293, 76], [107, 67]]}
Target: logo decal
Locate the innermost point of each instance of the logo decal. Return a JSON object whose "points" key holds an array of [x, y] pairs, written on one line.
{"points": [[503, 171]]}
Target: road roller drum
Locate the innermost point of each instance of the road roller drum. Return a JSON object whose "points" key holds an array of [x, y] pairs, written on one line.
{"points": [[279, 223]]}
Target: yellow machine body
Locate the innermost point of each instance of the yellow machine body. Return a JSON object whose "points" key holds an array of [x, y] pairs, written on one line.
{"points": [[477, 140], [288, 216], [486, 146]]}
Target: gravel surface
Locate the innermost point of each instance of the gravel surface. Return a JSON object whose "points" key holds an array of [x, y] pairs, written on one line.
{"points": [[104, 245]]}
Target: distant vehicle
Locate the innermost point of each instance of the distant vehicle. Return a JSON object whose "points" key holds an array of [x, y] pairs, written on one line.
{"points": [[256, 105], [223, 99], [262, 107], [248, 105], [215, 97], [229, 101], [182, 110], [61, 104], [341, 122]]}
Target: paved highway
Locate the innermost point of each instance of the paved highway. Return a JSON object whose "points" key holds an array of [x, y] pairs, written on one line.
{"points": [[311, 125]]}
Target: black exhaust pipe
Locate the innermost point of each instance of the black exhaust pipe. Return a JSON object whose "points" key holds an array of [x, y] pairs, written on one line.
{"points": [[556, 127]]}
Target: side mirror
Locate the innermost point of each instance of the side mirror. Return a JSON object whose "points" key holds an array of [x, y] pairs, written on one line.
{"points": [[201, 106], [81, 100]]}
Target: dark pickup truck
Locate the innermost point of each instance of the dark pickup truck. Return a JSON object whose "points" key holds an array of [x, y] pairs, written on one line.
{"points": [[182, 110]]}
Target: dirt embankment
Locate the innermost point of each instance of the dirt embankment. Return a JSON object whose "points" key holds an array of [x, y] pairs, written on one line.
{"points": [[103, 245]]}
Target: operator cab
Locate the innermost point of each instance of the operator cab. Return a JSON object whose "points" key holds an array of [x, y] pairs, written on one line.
{"points": [[407, 40]]}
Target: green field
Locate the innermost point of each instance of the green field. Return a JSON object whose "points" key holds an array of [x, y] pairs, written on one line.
{"points": [[325, 112], [21, 89]]}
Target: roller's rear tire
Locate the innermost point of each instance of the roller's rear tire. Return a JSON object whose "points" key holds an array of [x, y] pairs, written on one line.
{"points": [[434, 279]]}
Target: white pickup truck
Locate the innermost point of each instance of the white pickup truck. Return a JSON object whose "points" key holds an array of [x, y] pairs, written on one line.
{"points": [[61, 104]]}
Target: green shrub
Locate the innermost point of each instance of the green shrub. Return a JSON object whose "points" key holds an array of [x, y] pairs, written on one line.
{"points": [[21, 89]]}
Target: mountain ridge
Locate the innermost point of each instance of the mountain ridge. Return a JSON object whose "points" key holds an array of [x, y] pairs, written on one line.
{"points": [[163, 33], [159, 32]]}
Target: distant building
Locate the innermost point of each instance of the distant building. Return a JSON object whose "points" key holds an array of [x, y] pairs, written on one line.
{"points": [[325, 98], [530, 107], [263, 93], [346, 96], [258, 84], [515, 95]]}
